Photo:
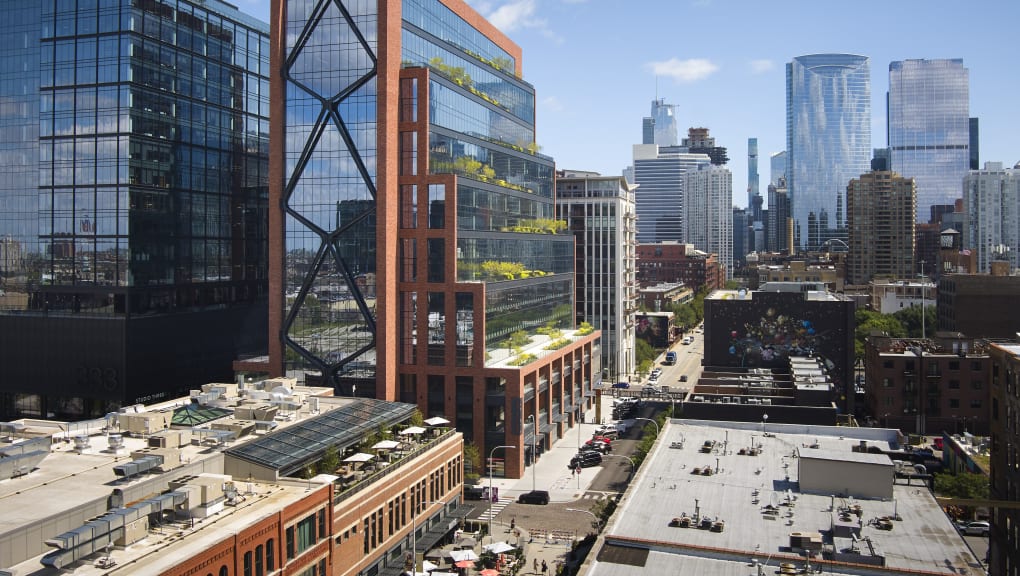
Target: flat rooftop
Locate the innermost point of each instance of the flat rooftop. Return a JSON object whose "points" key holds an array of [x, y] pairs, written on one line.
{"points": [[758, 500]]}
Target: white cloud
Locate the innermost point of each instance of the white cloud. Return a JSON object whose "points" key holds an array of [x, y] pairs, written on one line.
{"points": [[552, 104], [514, 15], [690, 70], [762, 66], [518, 14]]}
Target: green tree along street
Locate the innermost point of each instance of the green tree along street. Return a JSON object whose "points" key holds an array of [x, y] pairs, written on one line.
{"points": [[910, 319], [868, 322], [644, 355], [962, 485]]}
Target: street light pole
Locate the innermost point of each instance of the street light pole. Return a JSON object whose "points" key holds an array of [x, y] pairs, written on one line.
{"points": [[414, 536], [653, 422], [491, 453], [590, 513], [534, 450]]}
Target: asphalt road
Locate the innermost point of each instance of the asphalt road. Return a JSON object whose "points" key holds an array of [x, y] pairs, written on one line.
{"points": [[611, 481]]}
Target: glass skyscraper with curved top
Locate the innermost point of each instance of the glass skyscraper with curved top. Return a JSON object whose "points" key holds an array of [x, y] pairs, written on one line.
{"points": [[413, 220], [828, 140], [929, 128]]}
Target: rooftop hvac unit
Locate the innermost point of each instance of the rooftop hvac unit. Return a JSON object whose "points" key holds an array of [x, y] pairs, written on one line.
{"points": [[115, 442], [81, 443]]}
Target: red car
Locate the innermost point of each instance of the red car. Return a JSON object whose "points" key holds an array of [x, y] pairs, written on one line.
{"points": [[598, 438]]}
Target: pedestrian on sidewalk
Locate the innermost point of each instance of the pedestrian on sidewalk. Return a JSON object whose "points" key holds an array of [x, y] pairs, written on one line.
{"points": [[534, 564], [545, 567], [513, 523]]}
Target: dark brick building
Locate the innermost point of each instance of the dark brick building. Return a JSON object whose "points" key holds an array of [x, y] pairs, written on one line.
{"points": [[928, 386], [670, 262], [1004, 541], [980, 305]]}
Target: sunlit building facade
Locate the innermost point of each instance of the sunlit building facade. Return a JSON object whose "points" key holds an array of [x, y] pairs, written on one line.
{"points": [[417, 228], [828, 141], [599, 211], [929, 127], [134, 148]]}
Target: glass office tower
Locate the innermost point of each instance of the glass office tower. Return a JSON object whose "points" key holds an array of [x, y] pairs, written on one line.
{"points": [[416, 231], [135, 153], [929, 128], [828, 140]]}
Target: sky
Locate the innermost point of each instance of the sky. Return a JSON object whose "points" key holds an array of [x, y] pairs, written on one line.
{"points": [[596, 65]]}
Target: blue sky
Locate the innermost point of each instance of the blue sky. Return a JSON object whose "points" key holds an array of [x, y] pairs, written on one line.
{"points": [[597, 64]]}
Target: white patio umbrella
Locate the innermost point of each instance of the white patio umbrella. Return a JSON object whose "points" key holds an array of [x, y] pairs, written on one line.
{"points": [[359, 457], [413, 430], [498, 547], [385, 445], [437, 421], [461, 555]]}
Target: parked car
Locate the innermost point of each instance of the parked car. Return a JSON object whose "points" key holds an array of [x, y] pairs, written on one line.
{"points": [[979, 528], [656, 373], [585, 460], [534, 497], [474, 492], [622, 385], [610, 433], [683, 377], [598, 446]]}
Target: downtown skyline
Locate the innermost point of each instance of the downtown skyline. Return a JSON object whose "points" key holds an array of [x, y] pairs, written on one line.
{"points": [[723, 66]]}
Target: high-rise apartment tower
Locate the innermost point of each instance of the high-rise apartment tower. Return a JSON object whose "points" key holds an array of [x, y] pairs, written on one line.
{"points": [[828, 140], [929, 127]]}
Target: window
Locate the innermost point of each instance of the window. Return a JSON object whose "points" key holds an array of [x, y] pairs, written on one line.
{"points": [[270, 555], [437, 203], [886, 383], [259, 555], [976, 403], [954, 384], [305, 530], [247, 563], [976, 384], [436, 260], [954, 402], [408, 153], [290, 543]]}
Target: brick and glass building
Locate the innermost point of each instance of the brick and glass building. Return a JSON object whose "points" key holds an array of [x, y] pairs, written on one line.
{"points": [[412, 229], [134, 149]]}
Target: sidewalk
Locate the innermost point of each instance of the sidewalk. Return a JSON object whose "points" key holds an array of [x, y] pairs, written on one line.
{"points": [[550, 472]]}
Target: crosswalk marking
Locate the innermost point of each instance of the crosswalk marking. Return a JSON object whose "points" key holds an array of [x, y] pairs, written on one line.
{"points": [[494, 510]]}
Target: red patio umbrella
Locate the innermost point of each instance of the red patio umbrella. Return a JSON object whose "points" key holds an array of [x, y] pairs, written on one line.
{"points": [[489, 572], [465, 564]]}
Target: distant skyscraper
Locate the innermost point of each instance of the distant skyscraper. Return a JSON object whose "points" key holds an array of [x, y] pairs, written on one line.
{"points": [[752, 169], [708, 212], [600, 212], [778, 217], [880, 223], [659, 173], [777, 168], [991, 201], [134, 148], [660, 128], [975, 149], [929, 127], [699, 142], [828, 139]]}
